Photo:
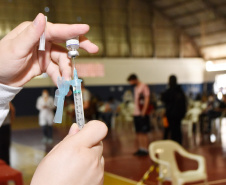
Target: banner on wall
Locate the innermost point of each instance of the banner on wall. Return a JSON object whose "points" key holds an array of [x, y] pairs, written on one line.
{"points": [[90, 70], [84, 70]]}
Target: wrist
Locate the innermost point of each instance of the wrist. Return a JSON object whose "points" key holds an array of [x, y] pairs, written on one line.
{"points": [[8, 93]]}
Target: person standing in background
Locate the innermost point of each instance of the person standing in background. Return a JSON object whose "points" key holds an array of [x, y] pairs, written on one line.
{"points": [[141, 113], [5, 135], [176, 106], [45, 105]]}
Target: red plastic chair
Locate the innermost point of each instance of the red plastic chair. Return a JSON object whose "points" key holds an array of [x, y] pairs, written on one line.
{"points": [[9, 174], [2, 162]]}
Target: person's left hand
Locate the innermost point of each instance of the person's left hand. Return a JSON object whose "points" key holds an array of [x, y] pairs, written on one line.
{"points": [[20, 59], [77, 159]]}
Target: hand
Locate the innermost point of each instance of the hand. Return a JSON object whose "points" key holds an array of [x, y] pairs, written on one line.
{"points": [[75, 160], [20, 59], [143, 113]]}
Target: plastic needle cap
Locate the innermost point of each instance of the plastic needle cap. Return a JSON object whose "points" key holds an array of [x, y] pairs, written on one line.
{"points": [[61, 92], [42, 41]]}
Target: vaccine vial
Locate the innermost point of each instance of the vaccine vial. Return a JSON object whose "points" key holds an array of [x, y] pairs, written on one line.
{"points": [[72, 46]]}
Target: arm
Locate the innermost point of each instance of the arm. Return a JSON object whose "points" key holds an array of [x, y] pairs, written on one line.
{"points": [[146, 104], [7, 93], [39, 104], [152, 153], [86, 104], [200, 159], [51, 103], [146, 100], [86, 99]]}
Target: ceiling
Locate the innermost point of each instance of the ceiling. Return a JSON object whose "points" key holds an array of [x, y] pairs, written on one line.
{"points": [[135, 28], [204, 21]]}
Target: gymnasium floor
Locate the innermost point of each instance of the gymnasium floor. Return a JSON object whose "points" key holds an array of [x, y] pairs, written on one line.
{"points": [[122, 168]]}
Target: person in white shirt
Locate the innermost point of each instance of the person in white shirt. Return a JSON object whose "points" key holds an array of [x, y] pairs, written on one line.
{"points": [[45, 105], [20, 61]]}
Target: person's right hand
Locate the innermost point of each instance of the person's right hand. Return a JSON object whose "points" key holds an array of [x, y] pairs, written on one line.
{"points": [[77, 160], [20, 59]]}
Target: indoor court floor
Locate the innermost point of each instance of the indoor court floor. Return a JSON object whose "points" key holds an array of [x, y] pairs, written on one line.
{"points": [[121, 167]]}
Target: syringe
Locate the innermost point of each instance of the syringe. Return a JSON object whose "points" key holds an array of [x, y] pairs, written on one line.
{"points": [[72, 45], [77, 92]]}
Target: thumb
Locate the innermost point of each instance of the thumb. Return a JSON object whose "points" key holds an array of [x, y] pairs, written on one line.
{"points": [[91, 135], [74, 129], [30, 36]]}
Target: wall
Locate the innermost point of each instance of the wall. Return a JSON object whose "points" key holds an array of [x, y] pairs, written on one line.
{"points": [[151, 71], [210, 76], [154, 72]]}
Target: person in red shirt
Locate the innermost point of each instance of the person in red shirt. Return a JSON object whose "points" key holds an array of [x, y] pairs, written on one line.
{"points": [[141, 113]]}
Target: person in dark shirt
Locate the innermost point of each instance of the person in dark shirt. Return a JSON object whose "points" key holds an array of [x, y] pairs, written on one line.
{"points": [[175, 104]]}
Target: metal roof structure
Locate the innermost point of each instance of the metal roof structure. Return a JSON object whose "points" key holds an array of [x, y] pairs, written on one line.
{"points": [[134, 28], [204, 21]]}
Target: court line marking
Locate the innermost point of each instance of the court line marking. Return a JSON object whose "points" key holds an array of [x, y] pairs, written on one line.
{"points": [[121, 178], [135, 182]]}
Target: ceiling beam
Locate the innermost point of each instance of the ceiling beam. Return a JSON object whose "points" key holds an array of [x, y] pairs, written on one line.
{"points": [[175, 5], [209, 34], [187, 14], [192, 26], [177, 27], [213, 45], [213, 8]]}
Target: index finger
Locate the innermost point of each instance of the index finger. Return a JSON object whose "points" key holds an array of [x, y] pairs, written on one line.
{"points": [[58, 33], [61, 32], [91, 135]]}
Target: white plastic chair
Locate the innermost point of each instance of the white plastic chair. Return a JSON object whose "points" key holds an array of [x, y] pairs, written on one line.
{"points": [[163, 153]]}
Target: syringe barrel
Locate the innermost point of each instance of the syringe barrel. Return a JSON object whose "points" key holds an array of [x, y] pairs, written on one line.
{"points": [[79, 112]]}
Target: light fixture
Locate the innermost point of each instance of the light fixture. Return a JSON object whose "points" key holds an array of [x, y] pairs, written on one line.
{"points": [[46, 9], [215, 66]]}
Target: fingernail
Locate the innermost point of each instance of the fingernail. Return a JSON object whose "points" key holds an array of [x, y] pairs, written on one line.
{"points": [[73, 129], [35, 22], [68, 78]]}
